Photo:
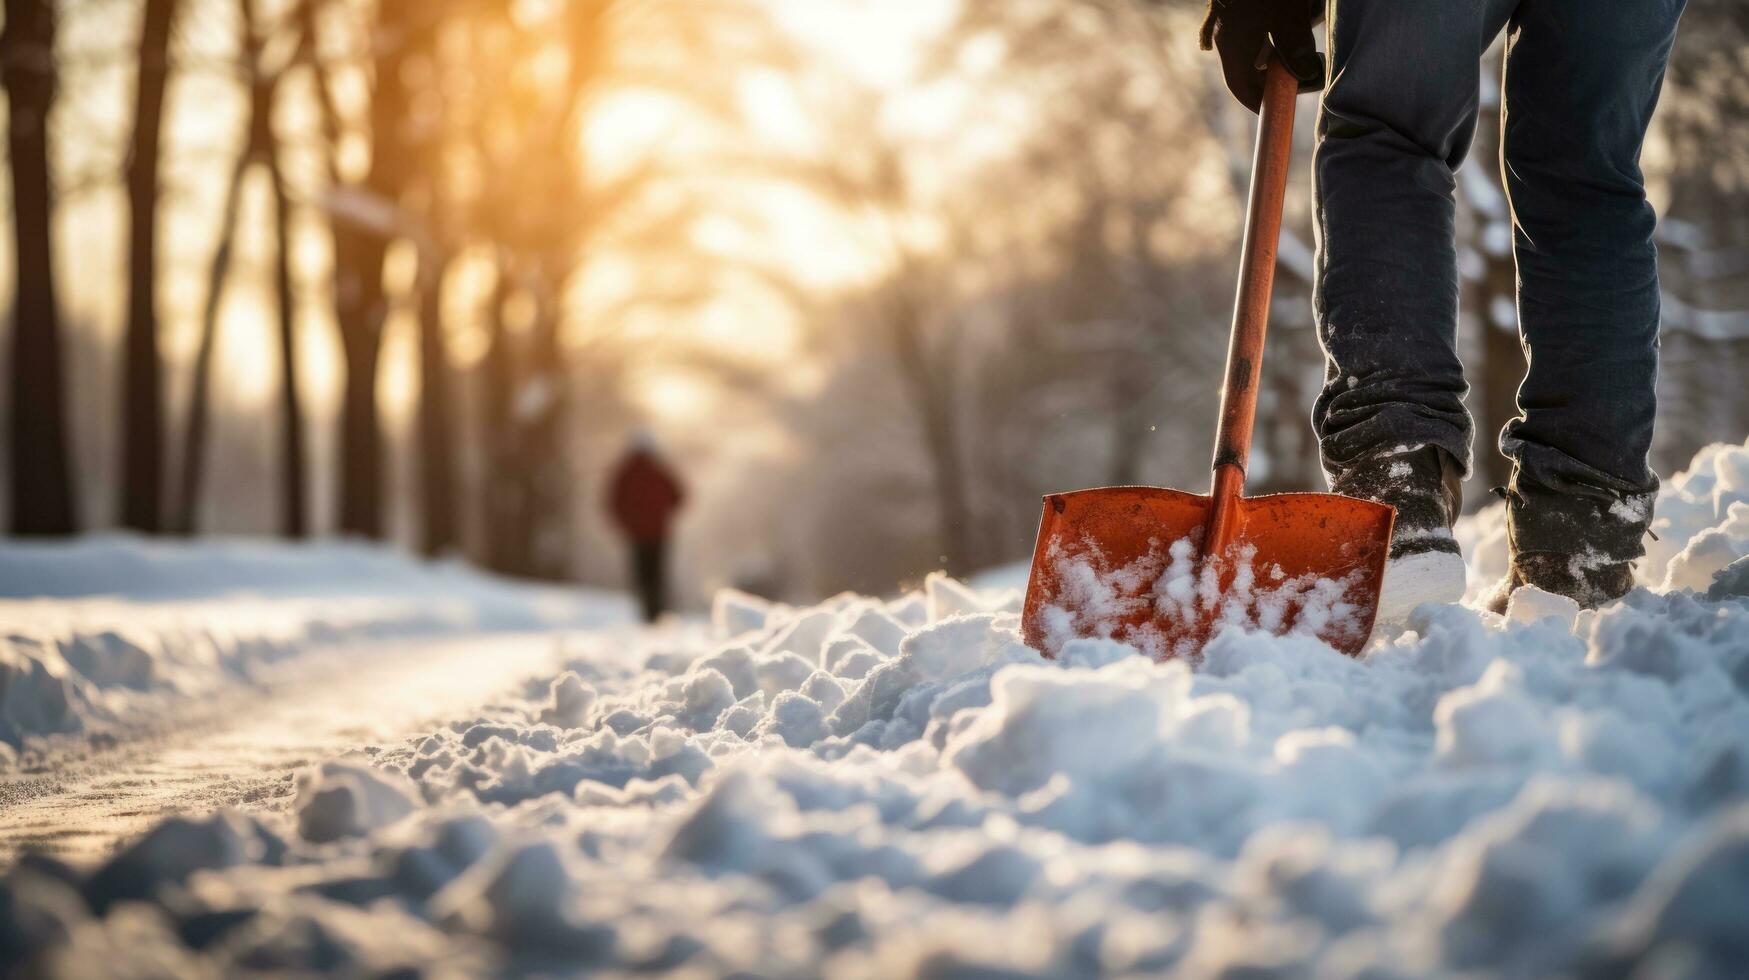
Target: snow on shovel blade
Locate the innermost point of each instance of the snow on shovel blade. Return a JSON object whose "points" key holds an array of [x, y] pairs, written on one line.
{"points": [[1125, 563]]}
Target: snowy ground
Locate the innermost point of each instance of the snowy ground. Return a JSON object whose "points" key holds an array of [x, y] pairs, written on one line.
{"points": [[109, 635], [243, 746], [896, 788]]}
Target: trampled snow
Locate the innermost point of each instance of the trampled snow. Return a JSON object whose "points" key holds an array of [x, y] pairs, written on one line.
{"points": [[883, 788]]}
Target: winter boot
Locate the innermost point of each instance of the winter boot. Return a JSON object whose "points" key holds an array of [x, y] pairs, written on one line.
{"points": [[1589, 583], [1574, 544], [1425, 485]]}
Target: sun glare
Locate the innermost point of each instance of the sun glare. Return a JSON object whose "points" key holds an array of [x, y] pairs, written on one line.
{"points": [[878, 41], [676, 401], [629, 125]]}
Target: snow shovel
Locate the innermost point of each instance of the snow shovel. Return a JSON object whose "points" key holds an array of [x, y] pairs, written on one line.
{"points": [[1164, 570]]}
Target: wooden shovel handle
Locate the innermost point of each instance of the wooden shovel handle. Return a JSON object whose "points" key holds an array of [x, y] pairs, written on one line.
{"points": [[1269, 175]]}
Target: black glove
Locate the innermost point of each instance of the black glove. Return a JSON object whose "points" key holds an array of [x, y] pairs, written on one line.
{"points": [[1241, 29]]}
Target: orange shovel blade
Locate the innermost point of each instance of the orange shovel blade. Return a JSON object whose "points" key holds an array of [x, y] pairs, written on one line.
{"points": [[1126, 563]]}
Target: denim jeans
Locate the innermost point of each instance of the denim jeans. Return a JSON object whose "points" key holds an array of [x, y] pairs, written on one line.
{"points": [[1582, 78]]}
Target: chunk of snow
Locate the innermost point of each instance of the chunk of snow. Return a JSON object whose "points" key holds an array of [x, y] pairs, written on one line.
{"points": [[956, 646], [839, 654], [523, 895], [876, 627], [570, 701], [343, 799], [38, 693], [1708, 554], [173, 851], [734, 613], [1410, 581], [1529, 604], [910, 609], [947, 598], [804, 635], [782, 672], [1731, 582], [1094, 653]]}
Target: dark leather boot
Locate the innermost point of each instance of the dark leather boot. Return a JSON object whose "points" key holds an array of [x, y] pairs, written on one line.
{"points": [[1425, 486], [1589, 583]]}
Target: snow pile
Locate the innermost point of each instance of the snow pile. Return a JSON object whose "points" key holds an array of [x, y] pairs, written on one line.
{"points": [[102, 630], [874, 788], [1166, 602], [1702, 523]]}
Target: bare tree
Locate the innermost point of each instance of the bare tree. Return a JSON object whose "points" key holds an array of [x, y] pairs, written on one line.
{"points": [[261, 148], [365, 217], [141, 487], [42, 484], [928, 361], [438, 497], [912, 309], [294, 482]]}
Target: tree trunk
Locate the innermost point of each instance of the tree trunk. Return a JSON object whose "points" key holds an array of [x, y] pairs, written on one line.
{"points": [[361, 442], [361, 307], [194, 436], [294, 507], [1129, 434], [496, 488], [541, 407], [42, 482], [142, 404], [1129, 426], [935, 410], [436, 436], [360, 314], [941, 438], [527, 486]]}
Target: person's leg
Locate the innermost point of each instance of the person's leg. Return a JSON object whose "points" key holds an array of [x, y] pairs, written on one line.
{"points": [[647, 577], [1582, 79], [658, 577], [1396, 121]]}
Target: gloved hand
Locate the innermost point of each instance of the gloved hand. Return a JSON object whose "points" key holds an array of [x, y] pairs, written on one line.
{"points": [[1240, 29]]}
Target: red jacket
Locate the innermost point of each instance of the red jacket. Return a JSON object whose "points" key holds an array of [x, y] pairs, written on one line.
{"points": [[644, 497]]}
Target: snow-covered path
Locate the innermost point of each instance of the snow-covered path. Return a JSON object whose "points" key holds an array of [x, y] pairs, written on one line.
{"points": [[243, 748]]}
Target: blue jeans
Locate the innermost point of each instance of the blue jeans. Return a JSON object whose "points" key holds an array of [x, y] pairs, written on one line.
{"points": [[1582, 78]]}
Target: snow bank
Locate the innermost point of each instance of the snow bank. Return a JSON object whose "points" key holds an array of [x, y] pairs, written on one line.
{"points": [[901, 788], [102, 630]]}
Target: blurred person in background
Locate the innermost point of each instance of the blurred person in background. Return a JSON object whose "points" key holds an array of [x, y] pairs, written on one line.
{"points": [[1400, 105], [643, 499]]}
